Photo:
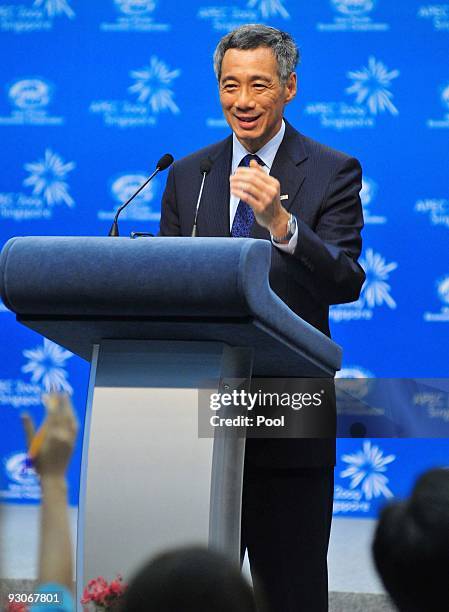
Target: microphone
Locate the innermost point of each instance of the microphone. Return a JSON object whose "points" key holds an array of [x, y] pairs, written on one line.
{"points": [[165, 161], [205, 166]]}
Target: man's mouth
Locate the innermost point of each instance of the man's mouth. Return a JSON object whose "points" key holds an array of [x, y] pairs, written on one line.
{"points": [[247, 122]]}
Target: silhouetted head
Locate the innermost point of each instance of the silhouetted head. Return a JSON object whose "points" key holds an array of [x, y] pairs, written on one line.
{"points": [[411, 546], [189, 580]]}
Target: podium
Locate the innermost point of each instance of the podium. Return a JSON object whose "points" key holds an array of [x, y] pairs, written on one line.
{"points": [[159, 319]]}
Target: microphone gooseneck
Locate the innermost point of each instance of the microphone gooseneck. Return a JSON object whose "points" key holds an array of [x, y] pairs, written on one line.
{"points": [[205, 167], [164, 162]]}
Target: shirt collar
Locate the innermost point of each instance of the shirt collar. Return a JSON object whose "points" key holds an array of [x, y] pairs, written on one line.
{"points": [[267, 153]]}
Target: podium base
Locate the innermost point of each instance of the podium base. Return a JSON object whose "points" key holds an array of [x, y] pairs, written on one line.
{"points": [[148, 482]]}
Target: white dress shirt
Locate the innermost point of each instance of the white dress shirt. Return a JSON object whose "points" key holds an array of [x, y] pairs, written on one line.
{"points": [[267, 154]]}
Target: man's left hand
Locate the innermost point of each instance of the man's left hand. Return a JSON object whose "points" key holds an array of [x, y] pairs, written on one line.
{"points": [[262, 192]]}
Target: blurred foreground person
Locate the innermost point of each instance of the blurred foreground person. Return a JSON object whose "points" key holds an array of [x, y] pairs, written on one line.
{"points": [[189, 580], [411, 546], [57, 438]]}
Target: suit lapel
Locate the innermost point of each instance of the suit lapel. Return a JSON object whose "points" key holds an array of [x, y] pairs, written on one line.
{"points": [[216, 194], [289, 167]]}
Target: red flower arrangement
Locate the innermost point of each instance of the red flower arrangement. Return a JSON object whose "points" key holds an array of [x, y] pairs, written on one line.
{"points": [[99, 594], [16, 607]]}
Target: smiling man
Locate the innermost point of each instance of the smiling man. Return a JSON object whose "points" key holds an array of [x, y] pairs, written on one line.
{"points": [[268, 181]]}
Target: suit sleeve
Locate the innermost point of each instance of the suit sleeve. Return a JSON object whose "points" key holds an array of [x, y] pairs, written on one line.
{"points": [[328, 254], [169, 225]]}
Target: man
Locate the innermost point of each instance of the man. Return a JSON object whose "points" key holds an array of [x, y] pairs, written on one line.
{"points": [[268, 181]]}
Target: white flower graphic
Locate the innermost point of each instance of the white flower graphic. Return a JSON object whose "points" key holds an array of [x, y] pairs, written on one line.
{"points": [[376, 290], [56, 7], [367, 468], [46, 178], [152, 86], [269, 8], [46, 365], [371, 86]]}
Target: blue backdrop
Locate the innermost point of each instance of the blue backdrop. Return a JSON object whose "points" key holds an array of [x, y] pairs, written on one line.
{"points": [[91, 95]]}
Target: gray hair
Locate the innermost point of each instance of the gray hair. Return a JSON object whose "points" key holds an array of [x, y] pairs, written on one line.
{"points": [[254, 35]]}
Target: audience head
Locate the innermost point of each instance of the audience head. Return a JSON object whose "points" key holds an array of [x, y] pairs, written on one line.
{"points": [[189, 580], [411, 546]]}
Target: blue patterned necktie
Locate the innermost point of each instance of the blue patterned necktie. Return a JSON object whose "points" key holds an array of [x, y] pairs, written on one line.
{"points": [[244, 216]]}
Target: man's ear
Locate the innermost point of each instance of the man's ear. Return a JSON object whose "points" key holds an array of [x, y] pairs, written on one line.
{"points": [[291, 87]]}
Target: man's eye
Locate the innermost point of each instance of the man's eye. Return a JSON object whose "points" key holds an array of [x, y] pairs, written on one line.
{"points": [[259, 86], [230, 87]]}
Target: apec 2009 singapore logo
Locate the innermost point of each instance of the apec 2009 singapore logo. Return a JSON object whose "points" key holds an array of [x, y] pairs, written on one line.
{"points": [[442, 291], [151, 94], [30, 99], [376, 290], [353, 16], [441, 123], [368, 196], [363, 480], [145, 206], [34, 15], [230, 16], [46, 186], [45, 368], [436, 14], [22, 481], [372, 89], [134, 16], [436, 209]]}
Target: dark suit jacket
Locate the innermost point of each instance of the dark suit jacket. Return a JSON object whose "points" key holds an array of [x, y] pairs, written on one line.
{"points": [[323, 188]]}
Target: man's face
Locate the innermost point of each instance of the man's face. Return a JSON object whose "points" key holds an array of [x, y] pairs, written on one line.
{"points": [[251, 95]]}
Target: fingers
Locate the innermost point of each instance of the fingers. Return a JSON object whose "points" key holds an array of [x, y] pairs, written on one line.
{"points": [[254, 164], [264, 189], [247, 197], [28, 427], [60, 411]]}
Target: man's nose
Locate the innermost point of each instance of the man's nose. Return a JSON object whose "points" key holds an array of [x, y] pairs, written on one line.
{"points": [[245, 99]]}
